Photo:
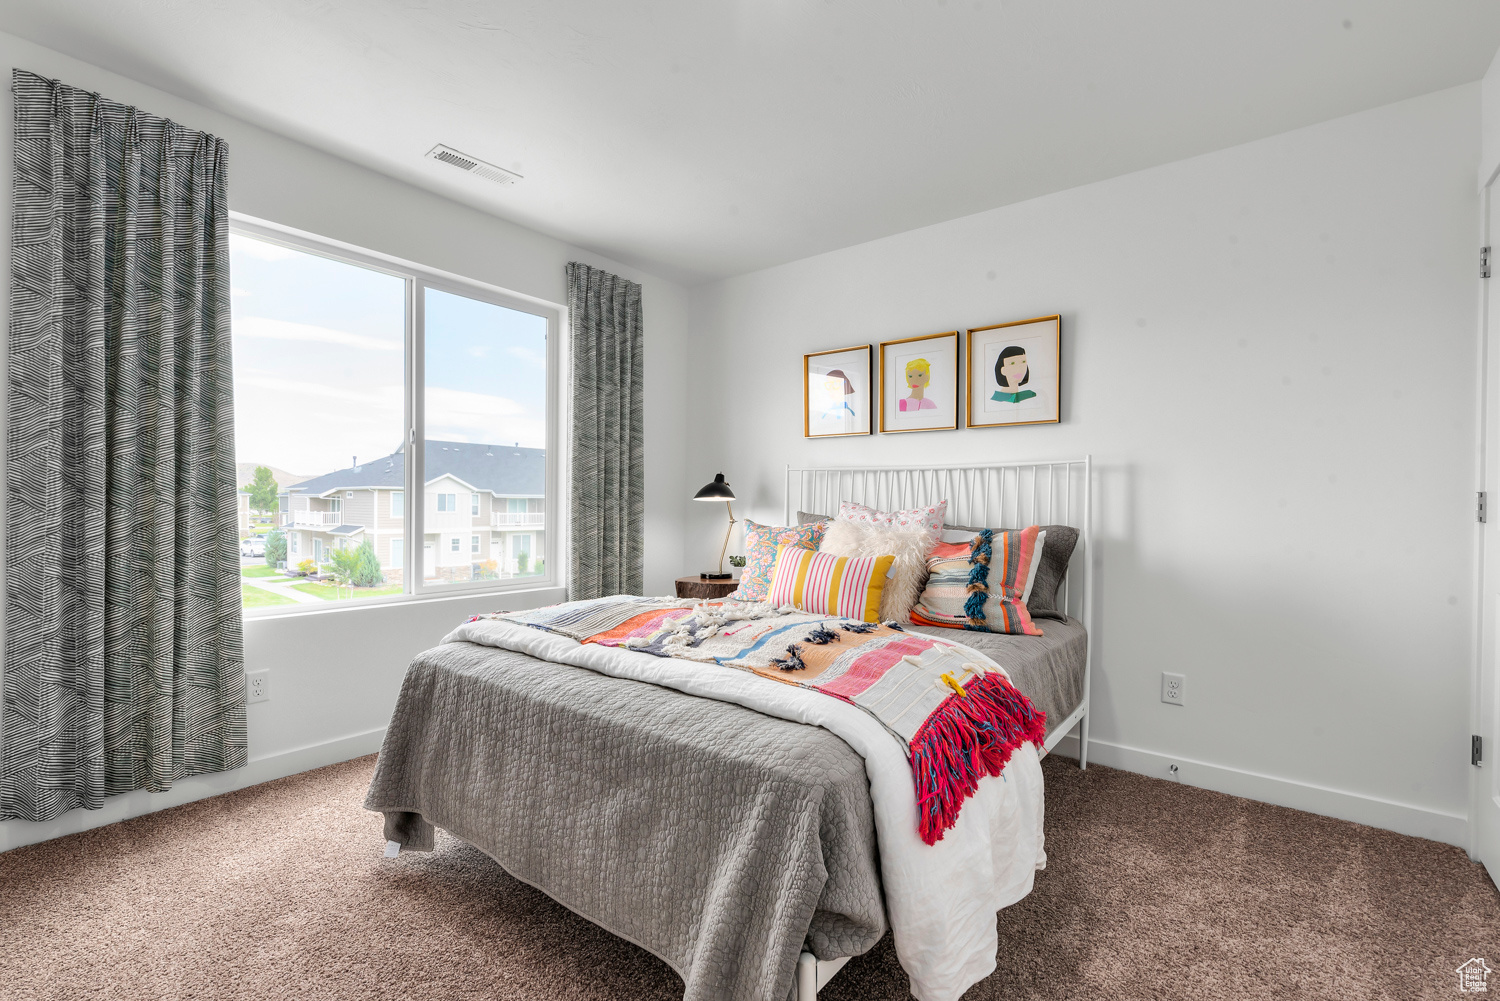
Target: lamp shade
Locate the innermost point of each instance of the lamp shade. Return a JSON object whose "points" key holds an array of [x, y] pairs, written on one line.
{"points": [[718, 490]]}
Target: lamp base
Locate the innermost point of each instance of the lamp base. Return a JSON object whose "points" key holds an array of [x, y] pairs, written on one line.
{"points": [[715, 576]]}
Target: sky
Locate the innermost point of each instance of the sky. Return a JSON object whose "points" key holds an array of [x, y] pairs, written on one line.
{"points": [[319, 363]]}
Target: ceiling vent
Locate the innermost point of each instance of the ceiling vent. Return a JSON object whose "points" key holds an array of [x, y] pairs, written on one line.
{"points": [[473, 165]]}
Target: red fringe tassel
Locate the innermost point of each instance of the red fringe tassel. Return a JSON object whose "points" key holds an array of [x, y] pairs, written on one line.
{"points": [[965, 739]]}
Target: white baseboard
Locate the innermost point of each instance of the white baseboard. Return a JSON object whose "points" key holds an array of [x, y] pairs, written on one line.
{"points": [[15, 833], [1403, 818]]}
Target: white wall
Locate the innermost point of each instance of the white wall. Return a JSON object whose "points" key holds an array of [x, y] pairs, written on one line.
{"points": [[1270, 353], [335, 674]]}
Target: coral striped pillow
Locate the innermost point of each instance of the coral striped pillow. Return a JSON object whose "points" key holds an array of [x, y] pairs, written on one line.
{"points": [[979, 584], [846, 586]]}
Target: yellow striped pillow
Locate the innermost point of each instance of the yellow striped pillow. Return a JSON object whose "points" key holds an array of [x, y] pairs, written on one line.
{"points": [[846, 586]]}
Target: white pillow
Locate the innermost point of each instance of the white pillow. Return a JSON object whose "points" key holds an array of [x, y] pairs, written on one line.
{"points": [[908, 573], [926, 519]]}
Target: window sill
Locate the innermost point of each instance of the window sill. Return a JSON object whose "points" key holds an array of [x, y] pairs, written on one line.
{"points": [[531, 589]]}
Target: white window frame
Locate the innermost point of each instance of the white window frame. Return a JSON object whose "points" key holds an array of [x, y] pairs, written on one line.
{"points": [[398, 509], [473, 545], [474, 505], [418, 279], [398, 553]]}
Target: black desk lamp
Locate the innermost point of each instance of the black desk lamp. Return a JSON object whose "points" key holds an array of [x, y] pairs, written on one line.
{"points": [[718, 490]]}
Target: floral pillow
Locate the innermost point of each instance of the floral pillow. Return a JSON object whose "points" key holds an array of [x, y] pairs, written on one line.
{"points": [[761, 543], [918, 519]]}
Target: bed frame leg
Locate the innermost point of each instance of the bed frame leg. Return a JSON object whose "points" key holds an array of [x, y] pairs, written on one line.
{"points": [[807, 977], [1083, 742]]}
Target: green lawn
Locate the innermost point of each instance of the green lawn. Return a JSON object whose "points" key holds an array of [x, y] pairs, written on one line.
{"points": [[330, 593], [259, 597], [258, 572]]}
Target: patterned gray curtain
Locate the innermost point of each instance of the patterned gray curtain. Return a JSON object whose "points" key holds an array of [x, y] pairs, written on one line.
{"points": [[607, 533], [123, 661]]}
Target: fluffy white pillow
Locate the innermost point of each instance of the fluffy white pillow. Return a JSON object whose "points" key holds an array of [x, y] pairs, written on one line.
{"points": [[908, 574]]}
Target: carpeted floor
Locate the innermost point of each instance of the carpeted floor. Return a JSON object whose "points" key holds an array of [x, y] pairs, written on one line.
{"points": [[1153, 891]]}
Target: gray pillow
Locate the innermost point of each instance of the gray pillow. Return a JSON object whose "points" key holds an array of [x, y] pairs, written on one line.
{"points": [[1057, 550], [803, 518]]}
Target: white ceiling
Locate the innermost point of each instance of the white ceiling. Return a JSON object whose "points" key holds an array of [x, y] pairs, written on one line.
{"points": [[699, 139]]}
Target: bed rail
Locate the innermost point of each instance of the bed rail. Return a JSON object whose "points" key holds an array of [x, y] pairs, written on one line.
{"points": [[979, 495]]}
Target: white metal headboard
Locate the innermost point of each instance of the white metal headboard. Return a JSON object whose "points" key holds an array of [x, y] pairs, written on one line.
{"points": [[982, 495], [979, 495]]}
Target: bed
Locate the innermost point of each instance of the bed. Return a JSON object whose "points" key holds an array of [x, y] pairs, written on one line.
{"points": [[739, 847]]}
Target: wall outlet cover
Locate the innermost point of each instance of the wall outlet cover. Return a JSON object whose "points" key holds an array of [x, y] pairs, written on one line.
{"points": [[258, 686], [1173, 689]]}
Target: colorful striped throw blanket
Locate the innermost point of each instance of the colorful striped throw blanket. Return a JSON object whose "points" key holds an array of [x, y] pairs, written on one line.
{"points": [[953, 710]]}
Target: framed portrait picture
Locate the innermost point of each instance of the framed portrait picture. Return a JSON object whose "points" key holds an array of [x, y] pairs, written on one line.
{"points": [[836, 392], [1015, 373], [919, 383]]}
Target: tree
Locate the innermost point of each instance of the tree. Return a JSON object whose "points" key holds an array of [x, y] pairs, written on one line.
{"points": [[357, 567], [275, 547], [367, 572], [263, 490]]}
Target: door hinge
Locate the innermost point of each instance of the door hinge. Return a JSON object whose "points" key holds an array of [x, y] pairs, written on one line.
{"points": [[1476, 750], [1484, 262], [1479, 508]]}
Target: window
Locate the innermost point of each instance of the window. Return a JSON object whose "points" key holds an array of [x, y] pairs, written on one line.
{"points": [[473, 543], [340, 356], [485, 398]]}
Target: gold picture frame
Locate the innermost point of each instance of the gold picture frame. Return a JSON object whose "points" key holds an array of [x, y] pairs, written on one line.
{"points": [[915, 355], [838, 411], [990, 401]]}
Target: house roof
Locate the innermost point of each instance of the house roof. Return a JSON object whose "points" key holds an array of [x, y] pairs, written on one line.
{"points": [[346, 530], [506, 470]]}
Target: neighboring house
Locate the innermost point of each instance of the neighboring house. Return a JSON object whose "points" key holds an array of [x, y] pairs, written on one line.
{"points": [[483, 511], [242, 507]]}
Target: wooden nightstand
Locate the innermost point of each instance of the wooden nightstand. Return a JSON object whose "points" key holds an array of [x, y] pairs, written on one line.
{"points": [[696, 587]]}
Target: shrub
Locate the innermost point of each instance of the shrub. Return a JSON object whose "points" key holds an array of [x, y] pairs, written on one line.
{"points": [[523, 562], [308, 566], [275, 547]]}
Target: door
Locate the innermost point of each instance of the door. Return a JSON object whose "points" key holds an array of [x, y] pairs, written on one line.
{"points": [[1484, 781]]}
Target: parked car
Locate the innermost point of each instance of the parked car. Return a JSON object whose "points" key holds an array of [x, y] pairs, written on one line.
{"points": [[254, 546]]}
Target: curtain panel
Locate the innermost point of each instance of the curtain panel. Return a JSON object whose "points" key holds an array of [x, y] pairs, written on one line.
{"points": [[123, 654], [608, 485]]}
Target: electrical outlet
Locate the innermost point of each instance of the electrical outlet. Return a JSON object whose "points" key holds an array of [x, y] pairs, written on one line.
{"points": [[1173, 692], [259, 686]]}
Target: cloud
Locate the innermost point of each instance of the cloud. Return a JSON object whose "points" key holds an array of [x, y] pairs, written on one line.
{"points": [[237, 292], [457, 415], [285, 330], [528, 355], [382, 397], [479, 350]]}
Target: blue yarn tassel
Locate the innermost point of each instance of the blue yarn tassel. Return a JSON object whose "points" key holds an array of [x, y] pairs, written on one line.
{"points": [[979, 578]]}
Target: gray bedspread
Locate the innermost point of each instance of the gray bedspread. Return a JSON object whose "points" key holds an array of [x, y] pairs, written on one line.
{"points": [[718, 838], [1048, 669]]}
